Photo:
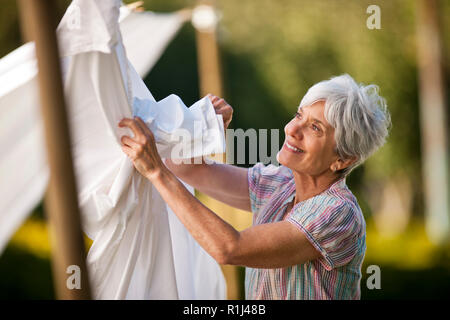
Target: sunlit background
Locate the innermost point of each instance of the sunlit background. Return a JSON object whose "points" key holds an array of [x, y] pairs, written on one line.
{"points": [[271, 52]]}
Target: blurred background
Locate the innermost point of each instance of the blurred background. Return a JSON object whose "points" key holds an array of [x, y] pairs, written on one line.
{"points": [[270, 53]]}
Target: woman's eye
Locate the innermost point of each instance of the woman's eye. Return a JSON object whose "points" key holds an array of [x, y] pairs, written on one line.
{"points": [[297, 115], [315, 128]]}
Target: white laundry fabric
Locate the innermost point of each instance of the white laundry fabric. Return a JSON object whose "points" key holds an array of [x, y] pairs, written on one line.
{"points": [[23, 166], [142, 30], [135, 254]]}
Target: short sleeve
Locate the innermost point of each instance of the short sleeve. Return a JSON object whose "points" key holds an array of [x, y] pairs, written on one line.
{"points": [[333, 229], [263, 181]]}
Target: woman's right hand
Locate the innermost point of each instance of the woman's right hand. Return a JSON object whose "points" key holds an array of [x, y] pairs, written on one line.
{"points": [[223, 108]]}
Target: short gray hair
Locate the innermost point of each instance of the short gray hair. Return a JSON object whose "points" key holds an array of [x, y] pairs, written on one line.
{"points": [[358, 114]]}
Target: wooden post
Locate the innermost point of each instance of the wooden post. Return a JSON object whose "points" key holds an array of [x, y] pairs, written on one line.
{"points": [[433, 120], [205, 22], [204, 19], [38, 21]]}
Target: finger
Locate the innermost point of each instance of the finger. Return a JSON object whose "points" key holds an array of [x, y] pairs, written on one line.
{"points": [[220, 103], [219, 110], [129, 152], [223, 110], [130, 123], [146, 130], [213, 98], [129, 142]]}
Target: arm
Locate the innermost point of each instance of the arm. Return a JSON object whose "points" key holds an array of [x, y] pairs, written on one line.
{"points": [[271, 245], [223, 182]]}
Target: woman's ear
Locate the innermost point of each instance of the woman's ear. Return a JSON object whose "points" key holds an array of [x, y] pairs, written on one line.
{"points": [[341, 164]]}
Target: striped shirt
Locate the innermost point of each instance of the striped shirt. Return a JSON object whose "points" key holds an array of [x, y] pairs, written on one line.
{"points": [[332, 221]]}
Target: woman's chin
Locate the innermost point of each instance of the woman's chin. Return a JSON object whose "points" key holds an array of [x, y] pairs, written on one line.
{"points": [[284, 159]]}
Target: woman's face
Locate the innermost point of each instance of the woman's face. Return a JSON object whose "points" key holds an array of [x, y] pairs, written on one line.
{"points": [[309, 147]]}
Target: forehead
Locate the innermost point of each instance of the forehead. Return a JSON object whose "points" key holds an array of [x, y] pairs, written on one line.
{"points": [[315, 111]]}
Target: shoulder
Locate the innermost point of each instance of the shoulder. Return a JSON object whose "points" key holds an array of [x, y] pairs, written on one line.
{"points": [[334, 225], [336, 208], [346, 204]]}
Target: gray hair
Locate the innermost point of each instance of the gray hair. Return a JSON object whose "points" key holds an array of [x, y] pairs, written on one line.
{"points": [[358, 114]]}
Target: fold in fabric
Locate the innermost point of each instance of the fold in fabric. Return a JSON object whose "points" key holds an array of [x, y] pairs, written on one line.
{"points": [[135, 252]]}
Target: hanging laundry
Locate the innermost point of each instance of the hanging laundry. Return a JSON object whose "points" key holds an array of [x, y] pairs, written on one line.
{"points": [[140, 250]]}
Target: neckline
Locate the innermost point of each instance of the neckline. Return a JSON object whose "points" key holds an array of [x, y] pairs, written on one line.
{"points": [[292, 193]]}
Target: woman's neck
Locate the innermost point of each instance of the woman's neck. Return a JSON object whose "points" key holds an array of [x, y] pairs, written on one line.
{"points": [[307, 186]]}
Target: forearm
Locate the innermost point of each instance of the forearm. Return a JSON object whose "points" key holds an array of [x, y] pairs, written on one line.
{"points": [[186, 168], [214, 234], [223, 182]]}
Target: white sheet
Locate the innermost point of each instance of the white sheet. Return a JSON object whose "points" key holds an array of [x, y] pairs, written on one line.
{"points": [[136, 253]]}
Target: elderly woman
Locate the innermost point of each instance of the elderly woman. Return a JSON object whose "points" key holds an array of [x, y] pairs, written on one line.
{"points": [[307, 240]]}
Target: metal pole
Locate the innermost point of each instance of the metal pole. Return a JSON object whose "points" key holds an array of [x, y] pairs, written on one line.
{"points": [[38, 21], [433, 122]]}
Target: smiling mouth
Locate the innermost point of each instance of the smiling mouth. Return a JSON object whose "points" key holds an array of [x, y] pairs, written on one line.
{"points": [[290, 147]]}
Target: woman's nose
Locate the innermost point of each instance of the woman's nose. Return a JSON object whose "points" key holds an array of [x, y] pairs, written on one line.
{"points": [[294, 129]]}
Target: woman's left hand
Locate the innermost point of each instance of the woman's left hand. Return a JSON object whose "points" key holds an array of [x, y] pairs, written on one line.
{"points": [[141, 149]]}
